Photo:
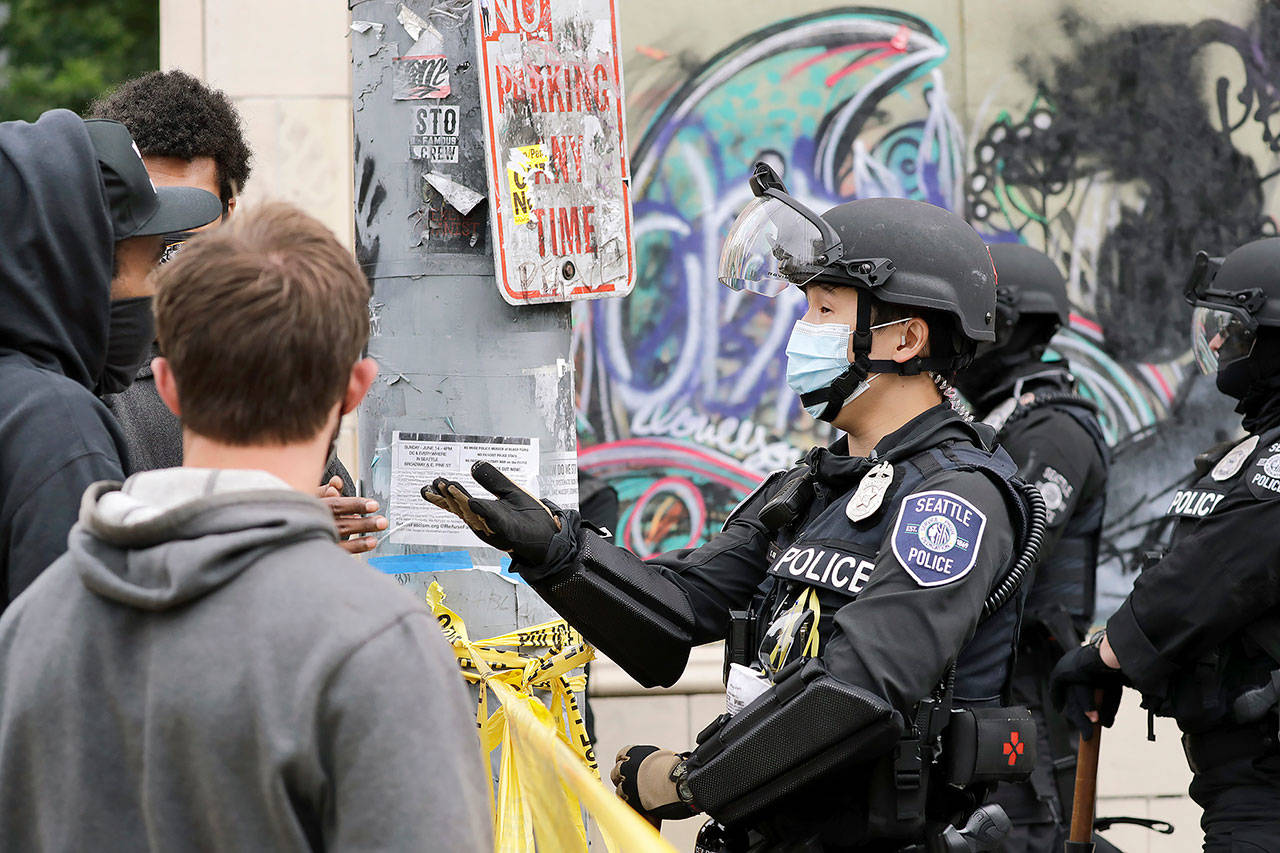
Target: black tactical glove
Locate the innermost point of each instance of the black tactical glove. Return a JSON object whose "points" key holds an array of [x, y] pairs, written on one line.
{"points": [[516, 522], [642, 776], [1074, 680]]}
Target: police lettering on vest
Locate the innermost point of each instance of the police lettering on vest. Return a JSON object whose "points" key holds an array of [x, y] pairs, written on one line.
{"points": [[824, 566], [1194, 503]]}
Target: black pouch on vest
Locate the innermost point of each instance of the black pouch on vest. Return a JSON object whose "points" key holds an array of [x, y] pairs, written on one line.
{"points": [[737, 646], [989, 745], [898, 792]]}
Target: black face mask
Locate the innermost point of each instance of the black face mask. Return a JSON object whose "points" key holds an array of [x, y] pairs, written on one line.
{"points": [[981, 378], [128, 343], [1255, 382], [990, 372], [1237, 378]]}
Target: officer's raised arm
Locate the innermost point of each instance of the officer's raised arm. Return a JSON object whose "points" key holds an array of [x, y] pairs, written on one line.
{"points": [[645, 615]]}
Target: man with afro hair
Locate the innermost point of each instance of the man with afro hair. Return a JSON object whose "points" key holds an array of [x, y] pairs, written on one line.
{"points": [[184, 130], [190, 134]]}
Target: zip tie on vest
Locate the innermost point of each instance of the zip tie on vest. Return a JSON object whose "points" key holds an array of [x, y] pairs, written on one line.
{"points": [[548, 772]]}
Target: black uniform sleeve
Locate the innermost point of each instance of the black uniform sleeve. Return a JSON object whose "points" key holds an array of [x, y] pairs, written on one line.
{"points": [[723, 574], [1218, 578], [1055, 454], [897, 638], [647, 614]]}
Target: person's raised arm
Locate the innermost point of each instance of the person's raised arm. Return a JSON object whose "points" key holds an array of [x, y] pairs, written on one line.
{"points": [[645, 615]]}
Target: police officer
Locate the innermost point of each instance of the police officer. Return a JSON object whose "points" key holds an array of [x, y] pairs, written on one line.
{"points": [[1053, 435], [861, 591], [1199, 634]]}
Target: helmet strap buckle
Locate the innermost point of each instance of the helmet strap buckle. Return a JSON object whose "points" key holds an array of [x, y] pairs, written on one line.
{"points": [[862, 331]]}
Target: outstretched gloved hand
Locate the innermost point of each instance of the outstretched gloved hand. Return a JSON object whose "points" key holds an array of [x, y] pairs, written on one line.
{"points": [[642, 776], [1079, 674], [516, 522]]}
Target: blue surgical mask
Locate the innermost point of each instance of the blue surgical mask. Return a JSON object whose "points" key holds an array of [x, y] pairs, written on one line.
{"points": [[817, 353]]}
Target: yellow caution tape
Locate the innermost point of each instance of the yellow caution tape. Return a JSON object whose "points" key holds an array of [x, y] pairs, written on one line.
{"points": [[548, 772]]}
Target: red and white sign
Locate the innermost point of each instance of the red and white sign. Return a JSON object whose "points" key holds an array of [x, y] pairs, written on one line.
{"points": [[559, 179]]}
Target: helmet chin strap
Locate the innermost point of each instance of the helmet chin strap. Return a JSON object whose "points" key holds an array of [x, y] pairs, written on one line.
{"points": [[842, 388]]}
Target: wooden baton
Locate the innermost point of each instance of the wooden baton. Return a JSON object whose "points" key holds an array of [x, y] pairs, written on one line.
{"points": [[1081, 838]]}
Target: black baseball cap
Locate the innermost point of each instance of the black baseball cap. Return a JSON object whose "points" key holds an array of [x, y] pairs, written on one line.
{"points": [[138, 207]]}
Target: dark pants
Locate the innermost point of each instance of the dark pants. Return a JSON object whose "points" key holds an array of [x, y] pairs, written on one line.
{"points": [[1240, 797]]}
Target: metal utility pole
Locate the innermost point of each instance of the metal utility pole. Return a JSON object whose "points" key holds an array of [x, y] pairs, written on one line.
{"points": [[487, 139], [454, 358]]}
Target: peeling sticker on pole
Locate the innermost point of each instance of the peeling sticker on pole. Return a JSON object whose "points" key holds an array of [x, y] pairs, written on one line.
{"points": [[416, 78], [524, 164], [434, 134], [560, 198]]}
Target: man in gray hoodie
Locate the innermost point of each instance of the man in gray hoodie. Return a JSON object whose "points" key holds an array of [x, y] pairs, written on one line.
{"points": [[205, 668]]}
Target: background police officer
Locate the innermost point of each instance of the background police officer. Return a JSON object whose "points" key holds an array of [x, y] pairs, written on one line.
{"points": [[1053, 435], [1199, 634], [864, 570]]}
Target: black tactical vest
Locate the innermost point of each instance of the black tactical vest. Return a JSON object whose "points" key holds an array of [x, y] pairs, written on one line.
{"points": [[836, 557], [1069, 577]]}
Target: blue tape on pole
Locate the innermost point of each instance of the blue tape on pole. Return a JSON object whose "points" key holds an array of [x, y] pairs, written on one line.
{"points": [[441, 561]]}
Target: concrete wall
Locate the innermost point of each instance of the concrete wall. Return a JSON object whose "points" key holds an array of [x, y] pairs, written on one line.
{"points": [[285, 66], [1099, 140], [1095, 135]]}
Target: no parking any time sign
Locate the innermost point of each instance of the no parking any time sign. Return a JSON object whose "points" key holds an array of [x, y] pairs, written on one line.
{"points": [[559, 181]]}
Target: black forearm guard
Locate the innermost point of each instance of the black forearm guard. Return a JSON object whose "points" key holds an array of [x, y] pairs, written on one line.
{"points": [[624, 606], [806, 725]]}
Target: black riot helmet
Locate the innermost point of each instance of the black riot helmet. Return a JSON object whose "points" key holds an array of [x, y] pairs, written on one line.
{"points": [[1031, 305], [901, 252], [1234, 299], [1029, 286]]}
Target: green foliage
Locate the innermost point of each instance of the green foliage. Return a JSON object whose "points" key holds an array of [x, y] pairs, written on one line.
{"points": [[65, 53]]}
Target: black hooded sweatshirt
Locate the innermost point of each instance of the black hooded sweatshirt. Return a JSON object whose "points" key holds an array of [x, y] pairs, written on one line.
{"points": [[56, 253]]}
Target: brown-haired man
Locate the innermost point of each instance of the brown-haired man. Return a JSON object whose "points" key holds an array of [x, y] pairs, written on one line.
{"points": [[204, 665]]}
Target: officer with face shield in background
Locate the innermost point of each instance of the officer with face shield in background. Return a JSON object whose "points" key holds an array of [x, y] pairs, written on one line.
{"points": [[1199, 635], [869, 596], [1052, 433]]}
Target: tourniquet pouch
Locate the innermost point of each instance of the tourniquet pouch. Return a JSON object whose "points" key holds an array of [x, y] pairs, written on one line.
{"points": [[989, 745]]}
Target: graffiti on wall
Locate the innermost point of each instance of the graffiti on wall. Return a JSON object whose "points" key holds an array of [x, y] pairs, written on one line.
{"points": [[683, 404]]}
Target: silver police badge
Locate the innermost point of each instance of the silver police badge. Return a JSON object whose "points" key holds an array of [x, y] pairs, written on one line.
{"points": [[1230, 464], [870, 494]]}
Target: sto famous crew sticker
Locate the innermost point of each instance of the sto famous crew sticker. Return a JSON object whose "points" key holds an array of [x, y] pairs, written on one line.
{"points": [[937, 537]]}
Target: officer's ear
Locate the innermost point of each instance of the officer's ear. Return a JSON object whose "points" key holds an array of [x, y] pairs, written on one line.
{"points": [[913, 340]]}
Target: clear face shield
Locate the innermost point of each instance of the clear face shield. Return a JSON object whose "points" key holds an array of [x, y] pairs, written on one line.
{"points": [[776, 241], [1223, 326], [1219, 337], [769, 248]]}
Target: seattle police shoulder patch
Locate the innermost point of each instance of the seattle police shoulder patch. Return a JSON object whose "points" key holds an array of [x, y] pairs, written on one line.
{"points": [[1264, 477], [937, 537], [1056, 491]]}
